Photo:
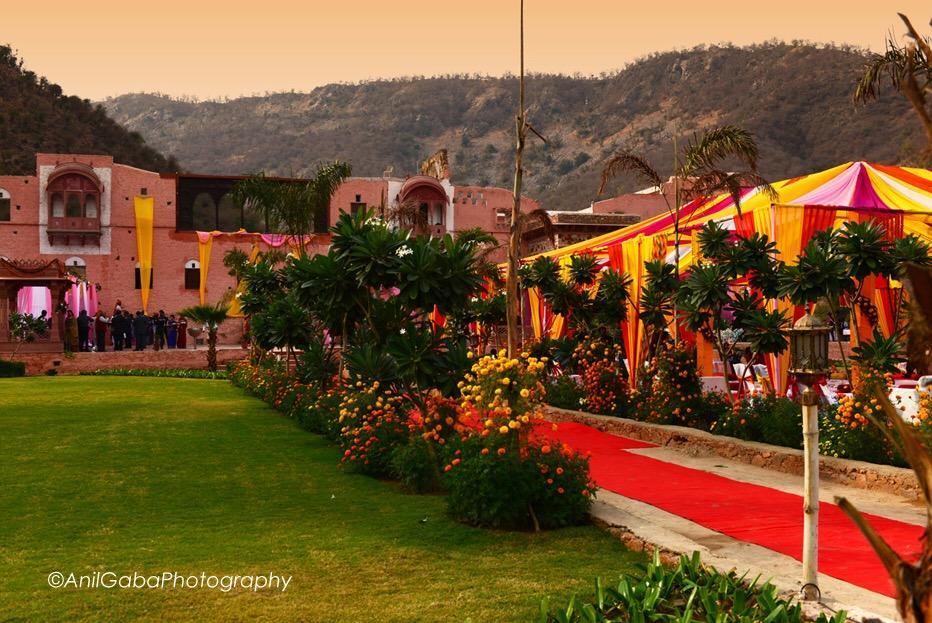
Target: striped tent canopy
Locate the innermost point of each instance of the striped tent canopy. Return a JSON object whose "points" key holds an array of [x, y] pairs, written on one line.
{"points": [[848, 189], [900, 198]]}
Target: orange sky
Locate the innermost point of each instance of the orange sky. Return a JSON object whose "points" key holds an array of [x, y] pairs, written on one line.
{"points": [[210, 48]]}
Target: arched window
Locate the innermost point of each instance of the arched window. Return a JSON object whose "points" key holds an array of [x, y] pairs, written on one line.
{"points": [[76, 266], [5, 205], [138, 278], [74, 192], [192, 275]]}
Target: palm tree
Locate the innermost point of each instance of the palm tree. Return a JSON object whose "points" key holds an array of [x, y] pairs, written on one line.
{"points": [[909, 70], [913, 582], [210, 316], [293, 207], [702, 166]]}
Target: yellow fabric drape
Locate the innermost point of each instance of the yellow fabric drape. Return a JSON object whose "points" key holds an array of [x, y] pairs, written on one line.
{"points": [[203, 254], [533, 296], [634, 266], [235, 311], [144, 207]]}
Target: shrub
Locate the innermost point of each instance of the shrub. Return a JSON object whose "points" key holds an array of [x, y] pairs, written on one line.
{"points": [[372, 425], [605, 389], [670, 390], [416, 466], [688, 592], [846, 439], [565, 393], [175, 373], [543, 486], [9, 369], [764, 418], [500, 477]]}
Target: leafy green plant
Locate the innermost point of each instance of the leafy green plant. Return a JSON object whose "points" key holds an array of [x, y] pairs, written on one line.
{"points": [[565, 393], [10, 369], [175, 373], [688, 592], [25, 329]]}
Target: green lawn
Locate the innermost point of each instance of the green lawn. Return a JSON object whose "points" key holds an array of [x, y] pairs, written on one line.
{"points": [[150, 475]]}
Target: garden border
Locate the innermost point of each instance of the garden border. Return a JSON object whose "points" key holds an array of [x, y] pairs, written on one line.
{"points": [[694, 442]]}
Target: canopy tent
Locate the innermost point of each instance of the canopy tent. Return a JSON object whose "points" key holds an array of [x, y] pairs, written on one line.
{"points": [[898, 197]]}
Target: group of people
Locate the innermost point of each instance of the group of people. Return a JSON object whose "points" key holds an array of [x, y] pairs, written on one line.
{"points": [[124, 330]]}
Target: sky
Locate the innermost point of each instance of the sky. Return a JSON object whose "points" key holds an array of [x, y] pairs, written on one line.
{"points": [[210, 49]]}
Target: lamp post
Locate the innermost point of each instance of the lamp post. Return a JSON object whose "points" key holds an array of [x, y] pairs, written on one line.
{"points": [[808, 361]]}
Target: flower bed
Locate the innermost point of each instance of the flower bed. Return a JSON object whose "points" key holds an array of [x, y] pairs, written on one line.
{"points": [[483, 450]]}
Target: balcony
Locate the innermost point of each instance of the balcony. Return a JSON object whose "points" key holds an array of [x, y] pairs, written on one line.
{"points": [[74, 230]]}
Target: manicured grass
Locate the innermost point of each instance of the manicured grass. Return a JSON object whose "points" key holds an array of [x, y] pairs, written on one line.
{"points": [[150, 475]]}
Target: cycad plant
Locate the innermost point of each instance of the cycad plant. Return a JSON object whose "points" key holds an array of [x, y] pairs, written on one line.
{"points": [[211, 316], [720, 160]]}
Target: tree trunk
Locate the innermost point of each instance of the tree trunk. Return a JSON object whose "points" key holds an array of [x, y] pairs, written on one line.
{"points": [[511, 278], [212, 350]]}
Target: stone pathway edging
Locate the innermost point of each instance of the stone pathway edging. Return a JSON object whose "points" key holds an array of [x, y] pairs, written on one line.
{"points": [[896, 480]]}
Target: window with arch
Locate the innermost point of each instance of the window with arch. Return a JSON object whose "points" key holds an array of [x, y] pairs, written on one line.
{"points": [[74, 195], [5, 213], [138, 278], [76, 266], [192, 275]]}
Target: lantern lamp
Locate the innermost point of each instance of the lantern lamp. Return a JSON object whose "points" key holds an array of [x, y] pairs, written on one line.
{"points": [[809, 349], [808, 361]]}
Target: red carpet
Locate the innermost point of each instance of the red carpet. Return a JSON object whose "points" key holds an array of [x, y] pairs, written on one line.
{"points": [[751, 513]]}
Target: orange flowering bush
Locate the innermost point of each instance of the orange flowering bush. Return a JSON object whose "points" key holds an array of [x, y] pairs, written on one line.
{"points": [[372, 424], [670, 391], [604, 387], [499, 474]]}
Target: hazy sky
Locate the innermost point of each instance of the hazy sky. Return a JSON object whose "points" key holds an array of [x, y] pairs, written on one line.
{"points": [[209, 48]]}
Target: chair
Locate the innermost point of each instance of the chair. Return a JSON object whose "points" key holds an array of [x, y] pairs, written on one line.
{"points": [[714, 384], [740, 370], [906, 401], [761, 371], [830, 396]]}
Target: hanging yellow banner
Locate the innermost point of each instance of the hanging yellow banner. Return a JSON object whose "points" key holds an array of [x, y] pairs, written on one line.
{"points": [[205, 241], [145, 214]]}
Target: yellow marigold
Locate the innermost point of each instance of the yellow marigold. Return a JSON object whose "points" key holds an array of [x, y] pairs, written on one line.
{"points": [[525, 393], [503, 430]]}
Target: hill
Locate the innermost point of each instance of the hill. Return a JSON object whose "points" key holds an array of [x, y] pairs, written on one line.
{"points": [[35, 116], [796, 98]]}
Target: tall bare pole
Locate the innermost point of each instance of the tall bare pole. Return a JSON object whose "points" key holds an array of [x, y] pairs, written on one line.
{"points": [[511, 279]]}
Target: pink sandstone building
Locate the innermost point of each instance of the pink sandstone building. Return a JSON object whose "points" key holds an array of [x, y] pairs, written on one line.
{"points": [[79, 209]]}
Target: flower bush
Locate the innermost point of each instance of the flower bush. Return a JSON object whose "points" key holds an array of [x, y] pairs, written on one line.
{"points": [[539, 485], [670, 390], [502, 474], [603, 384], [507, 394], [372, 425]]}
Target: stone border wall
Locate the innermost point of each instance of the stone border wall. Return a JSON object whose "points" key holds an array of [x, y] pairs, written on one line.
{"points": [[39, 363], [897, 480]]}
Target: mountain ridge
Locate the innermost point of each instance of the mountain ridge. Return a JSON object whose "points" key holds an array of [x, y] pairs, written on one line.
{"points": [[795, 98]]}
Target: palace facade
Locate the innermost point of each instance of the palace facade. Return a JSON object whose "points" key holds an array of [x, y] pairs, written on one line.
{"points": [[79, 209]]}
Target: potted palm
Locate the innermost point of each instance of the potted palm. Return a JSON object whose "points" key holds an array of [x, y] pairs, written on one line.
{"points": [[210, 316]]}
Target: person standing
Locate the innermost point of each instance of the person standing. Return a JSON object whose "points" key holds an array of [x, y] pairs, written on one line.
{"points": [[100, 330], [118, 331], [71, 332], [182, 332], [140, 330], [84, 330], [159, 320], [171, 329], [128, 340]]}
